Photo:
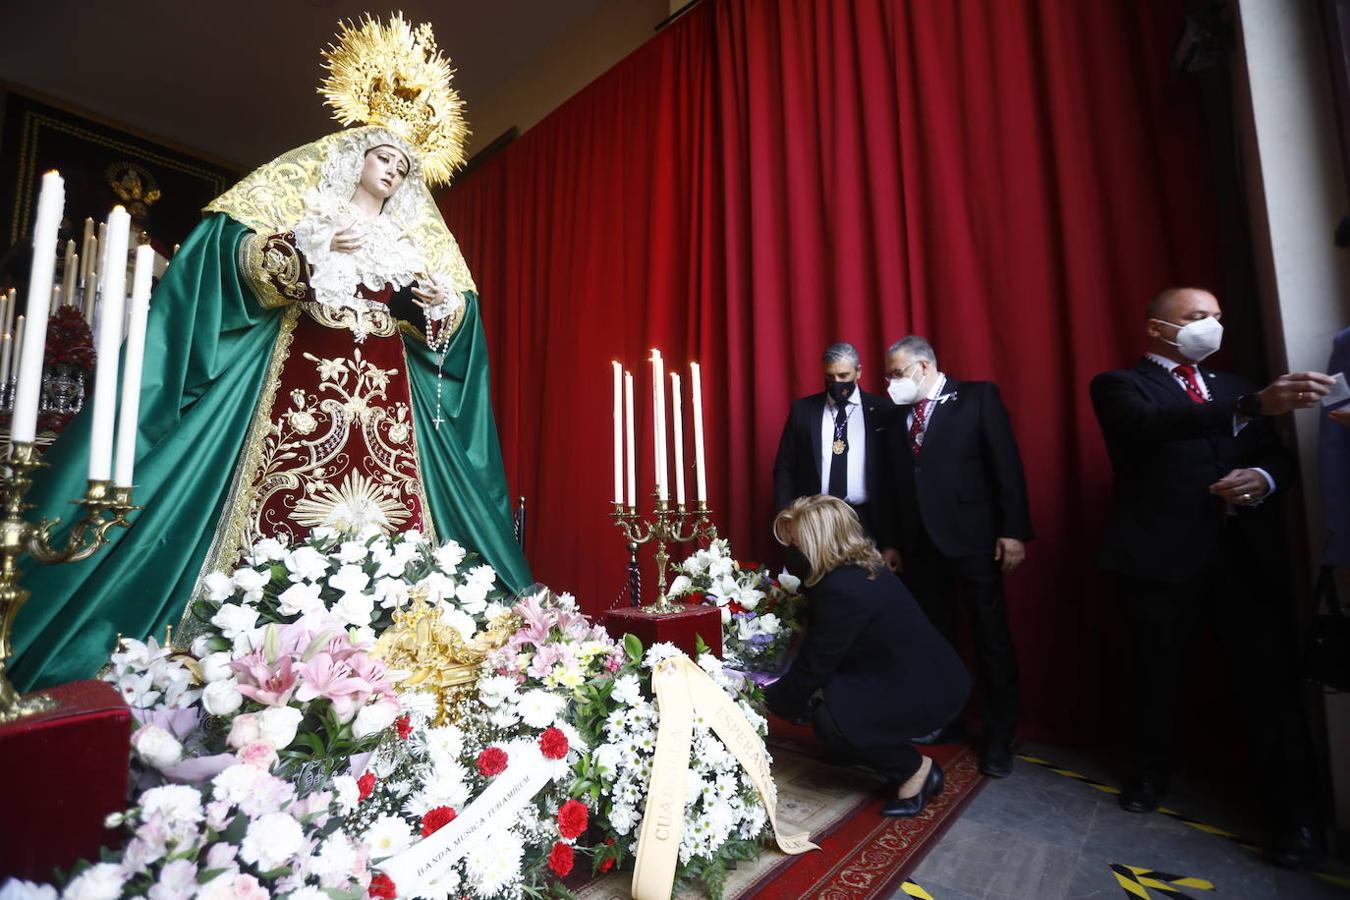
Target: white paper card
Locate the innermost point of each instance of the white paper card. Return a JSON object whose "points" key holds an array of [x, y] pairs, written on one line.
{"points": [[1340, 392]]}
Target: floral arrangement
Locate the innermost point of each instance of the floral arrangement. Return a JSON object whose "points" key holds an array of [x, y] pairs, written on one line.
{"points": [[724, 818], [761, 612], [556, 646], [69, 340]]}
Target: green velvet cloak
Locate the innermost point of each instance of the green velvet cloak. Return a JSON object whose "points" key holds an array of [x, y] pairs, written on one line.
{"points": [[207, 348]]}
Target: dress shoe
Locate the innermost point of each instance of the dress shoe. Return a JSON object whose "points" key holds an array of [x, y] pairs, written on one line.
{"points": [[908, 807], [996, 760], [954, 733], [1299, 847], [1142, 794]]}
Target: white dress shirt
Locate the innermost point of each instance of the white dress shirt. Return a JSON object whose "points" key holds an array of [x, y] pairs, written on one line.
{"points": [[857, 448], [1239, 423], [933, 393]]}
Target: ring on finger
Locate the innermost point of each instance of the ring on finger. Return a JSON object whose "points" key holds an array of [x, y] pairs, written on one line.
{"points": [[1247, 498]]}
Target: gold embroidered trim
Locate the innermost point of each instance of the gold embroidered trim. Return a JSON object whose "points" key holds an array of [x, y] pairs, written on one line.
{"points": [[274, 269], [374, 320], [227, 544]]}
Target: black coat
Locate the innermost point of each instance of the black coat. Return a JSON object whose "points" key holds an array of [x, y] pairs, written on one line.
{"points": [[886, 673], [966, 488], [1166, 450], [796, 468]]}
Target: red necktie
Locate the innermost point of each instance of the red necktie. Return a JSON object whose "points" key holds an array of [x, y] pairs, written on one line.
{"points": [[916, 427], [1189, 382]]}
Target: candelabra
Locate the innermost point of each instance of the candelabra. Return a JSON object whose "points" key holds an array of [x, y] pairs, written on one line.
{"points": [[670, 525], [105, 507]]}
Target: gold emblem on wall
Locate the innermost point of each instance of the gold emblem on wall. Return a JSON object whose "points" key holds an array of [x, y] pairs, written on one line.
{"points": [[135, 187]]}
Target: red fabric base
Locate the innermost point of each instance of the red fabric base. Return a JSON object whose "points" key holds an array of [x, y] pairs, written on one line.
{"points": [[65, 771], [681, 628]]}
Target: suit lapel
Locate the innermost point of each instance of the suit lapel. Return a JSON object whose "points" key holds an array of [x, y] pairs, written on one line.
{"points": [[1168, 388], [948, 409]]}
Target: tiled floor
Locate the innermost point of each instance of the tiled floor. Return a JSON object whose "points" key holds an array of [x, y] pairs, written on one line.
{"points": [[1040, 836]]}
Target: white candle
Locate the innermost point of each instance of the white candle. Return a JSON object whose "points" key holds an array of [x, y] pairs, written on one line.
{"points": [[68, 272], [56, 299], [18, 346], [51, 203], [6, 349], [131, 375], [618, 432], [700, 472], [112, 292], [659, 425], [631, 443], [676, 420]]}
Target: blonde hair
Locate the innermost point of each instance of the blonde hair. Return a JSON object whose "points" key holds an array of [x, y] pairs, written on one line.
{"points": [[827, 531]]}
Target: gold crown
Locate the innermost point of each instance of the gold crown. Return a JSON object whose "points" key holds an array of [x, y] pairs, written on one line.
{"points": [[394, 76]]}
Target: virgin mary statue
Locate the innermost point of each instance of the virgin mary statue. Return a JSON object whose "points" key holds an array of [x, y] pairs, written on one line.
{"points": [[314, 358]]}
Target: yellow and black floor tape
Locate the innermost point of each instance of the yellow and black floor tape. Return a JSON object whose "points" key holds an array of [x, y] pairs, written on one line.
{"points": [[910, 889], [1137, 881], [1337, 880]]}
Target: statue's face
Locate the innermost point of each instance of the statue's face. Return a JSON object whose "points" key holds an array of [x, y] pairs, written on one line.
{"points": [[384, 170]]}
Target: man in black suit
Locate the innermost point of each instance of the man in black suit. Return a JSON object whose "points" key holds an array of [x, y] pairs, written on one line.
{"points": [[959, 519], [831, 443], [1195, 539]]}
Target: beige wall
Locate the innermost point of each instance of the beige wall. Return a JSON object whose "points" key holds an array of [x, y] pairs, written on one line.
{"points": [[593, 45], [1296, 194]]}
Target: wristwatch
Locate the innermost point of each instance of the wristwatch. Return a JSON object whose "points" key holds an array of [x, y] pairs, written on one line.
{"points": [[1249, 405]]}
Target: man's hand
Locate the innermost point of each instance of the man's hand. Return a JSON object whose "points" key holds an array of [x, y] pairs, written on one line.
{"points": [[1241, 487], [1341, 416], [1010, 552], [348, 240], [892, 557], [1298, 390]]}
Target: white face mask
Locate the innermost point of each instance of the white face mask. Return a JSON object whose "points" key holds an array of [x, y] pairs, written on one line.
{"points": [[1196, 340], [903, 390]]}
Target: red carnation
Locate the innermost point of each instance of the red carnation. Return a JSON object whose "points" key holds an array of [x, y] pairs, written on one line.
{"points": [[747, 566], [572, 819], [553, 743], [437, 819], [382, 886], [606, 865], [365, 784], [696, 597], [492, 761], [560, 859], [404, 726]]}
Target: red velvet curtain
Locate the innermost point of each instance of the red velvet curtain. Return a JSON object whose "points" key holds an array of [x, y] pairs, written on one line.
{"points": [[1011, 178]]}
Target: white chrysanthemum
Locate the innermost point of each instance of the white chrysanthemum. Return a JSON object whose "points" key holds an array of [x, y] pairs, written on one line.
{"points": [[346, 792], [494, 862], [388, 835], [334, 861], [309, 892], [173, 802], [445, 743], [493, 689], [271, 841], [439, 588], [419, 704], [567, 601], [539, 709], [659, 651], [98, 882], [392, 593], [627, 690]]}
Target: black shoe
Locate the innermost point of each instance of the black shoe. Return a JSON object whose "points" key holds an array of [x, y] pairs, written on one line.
{"points": [[1299, 847], [1142, 794], [996, 760], [907, 807]]}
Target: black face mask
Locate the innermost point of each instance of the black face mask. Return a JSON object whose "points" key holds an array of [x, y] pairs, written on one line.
{"points": [[840, 391], [796, 562]]}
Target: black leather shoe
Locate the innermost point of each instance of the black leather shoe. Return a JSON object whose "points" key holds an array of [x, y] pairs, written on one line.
{"points": [[1142, 794], [1299, 847], [908, 807], [953, 733], [996, 760]]}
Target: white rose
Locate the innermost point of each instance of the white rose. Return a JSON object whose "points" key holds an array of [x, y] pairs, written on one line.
{"points": [[472, 596], [99, 882], [391, 592], [373, 718], [306, 564], [355, 609], [14, 889], [789, 582], [681, 585], [450, 555], [461, 621], [439, 587], [770, 623], [216, 666], [250, 581], [299, 599], [483, 573], [268, 550], [271, 841], [222, 697], [219, 587], [244, 730], [279, 724], [235, 621], [349, 580], [156, 746], [352, 551]]}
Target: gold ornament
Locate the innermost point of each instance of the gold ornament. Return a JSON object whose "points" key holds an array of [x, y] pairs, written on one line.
{"points": [[394, 76], [437, 657]]}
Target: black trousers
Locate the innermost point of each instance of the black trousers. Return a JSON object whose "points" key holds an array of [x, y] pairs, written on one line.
{"points": [[896, 763], [940, 583], [1249, 609]]}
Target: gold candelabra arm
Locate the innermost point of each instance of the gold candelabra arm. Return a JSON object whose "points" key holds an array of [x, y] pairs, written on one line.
{"points": [[106, 508]]}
